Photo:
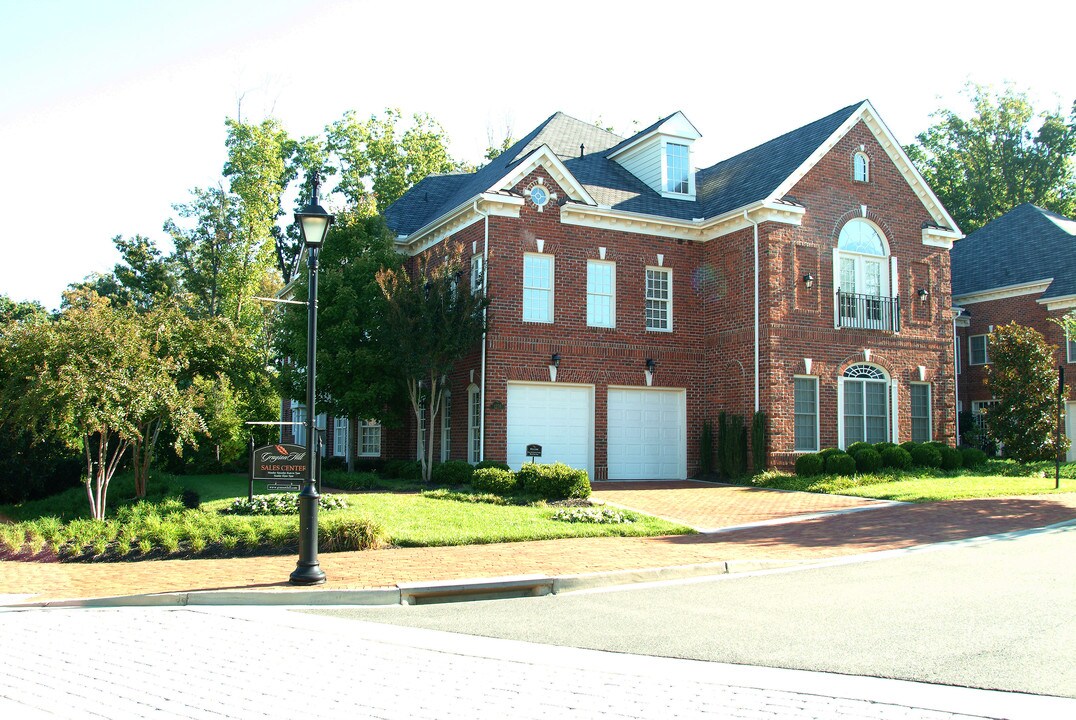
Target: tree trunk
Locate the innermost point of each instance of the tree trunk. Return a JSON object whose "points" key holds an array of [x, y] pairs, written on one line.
{"points": [[352, 425]]}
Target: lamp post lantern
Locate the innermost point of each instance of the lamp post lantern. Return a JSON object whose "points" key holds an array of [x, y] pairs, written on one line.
{"points": [[314, 225]]}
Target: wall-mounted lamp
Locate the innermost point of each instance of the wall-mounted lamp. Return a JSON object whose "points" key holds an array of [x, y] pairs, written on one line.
{"points": [[808, 279], [651, 365], [923, 293], [556, 360]]}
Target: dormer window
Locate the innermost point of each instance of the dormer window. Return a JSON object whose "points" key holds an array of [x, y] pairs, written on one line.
{"points": [[677, 168], [861, 167]]}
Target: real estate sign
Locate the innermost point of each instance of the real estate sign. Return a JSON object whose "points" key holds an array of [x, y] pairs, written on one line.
{"points": [[279, 462]]}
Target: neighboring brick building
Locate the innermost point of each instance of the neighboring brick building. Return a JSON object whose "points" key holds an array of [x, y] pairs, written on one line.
{"points": [[623, 292], [1035, 281]]}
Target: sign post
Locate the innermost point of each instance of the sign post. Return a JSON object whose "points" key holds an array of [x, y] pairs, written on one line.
{"points": [[534, 451]]}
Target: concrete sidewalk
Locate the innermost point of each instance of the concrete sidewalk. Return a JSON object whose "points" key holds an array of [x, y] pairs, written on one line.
{"points": [[803, 533]]}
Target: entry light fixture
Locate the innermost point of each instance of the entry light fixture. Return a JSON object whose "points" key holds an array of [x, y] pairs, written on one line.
{"points": [[808, 279], [313, 221], [556, 360], [923, 293], [651, 365]]}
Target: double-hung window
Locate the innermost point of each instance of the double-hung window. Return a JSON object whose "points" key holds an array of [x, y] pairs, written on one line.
{"points": [[805, 391], [1070, 349], [921, 430], [477, 277], [601, 294], [865, 409], [978, 350], [446, 426], [298, 428], [537, 288], [659, 299], [677, 170], [340, 432], [474, 424], [370, 438]]}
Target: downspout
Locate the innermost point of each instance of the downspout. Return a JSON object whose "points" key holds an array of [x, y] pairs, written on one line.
{"points": [[755, 225], [482, 372], [956, 383]]}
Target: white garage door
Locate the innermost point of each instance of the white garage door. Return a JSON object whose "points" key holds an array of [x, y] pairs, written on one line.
{"points": [[558, 417], [647, 434]]}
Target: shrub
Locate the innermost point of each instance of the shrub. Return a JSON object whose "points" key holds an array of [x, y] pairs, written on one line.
{"points": [[191, 499], [279, 504], [334, 463], [554, 482], [494, 480], [758, 442], [706, 448], [926, 456], [452, 472], [351, 481], [882, 446], [825, 454], [840, 463], [896, 457], [492, 464], [734, 452], [345, 534], [402, 469], [443, 494], [601, 516], [810, 464], [973, 457], [856, 447], [951, 459], [909, 445], [867, 460]]}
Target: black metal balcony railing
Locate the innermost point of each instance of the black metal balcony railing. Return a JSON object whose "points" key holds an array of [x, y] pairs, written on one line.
{"points": [[868, 312]]}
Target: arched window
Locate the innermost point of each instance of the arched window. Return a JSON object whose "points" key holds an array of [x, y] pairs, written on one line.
{"points": [[861, 167], [863, 268], [864, 395]]}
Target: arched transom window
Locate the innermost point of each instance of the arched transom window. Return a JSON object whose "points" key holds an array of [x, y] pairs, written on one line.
{"points": [[861, 167], [864, 391]]}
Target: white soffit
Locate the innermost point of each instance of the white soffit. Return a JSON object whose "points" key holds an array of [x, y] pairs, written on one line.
{"points": [[1000, 293]]}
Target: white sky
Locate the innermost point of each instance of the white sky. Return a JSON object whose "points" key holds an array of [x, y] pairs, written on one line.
{"points": [[111, 110]]}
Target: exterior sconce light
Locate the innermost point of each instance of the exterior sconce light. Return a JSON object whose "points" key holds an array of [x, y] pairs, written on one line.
{"points": [[808, 279], [556, 360], [651, 365], [923, 294]]}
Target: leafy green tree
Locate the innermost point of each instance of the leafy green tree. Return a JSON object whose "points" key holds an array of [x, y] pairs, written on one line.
{"points": [[1006, 153], [352, 381], [91, 379], [13, 311], [1022, 377], [144, 276], [430, 320]]}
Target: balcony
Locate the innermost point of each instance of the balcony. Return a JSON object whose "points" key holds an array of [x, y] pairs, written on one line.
{"points": [[868, 312]]}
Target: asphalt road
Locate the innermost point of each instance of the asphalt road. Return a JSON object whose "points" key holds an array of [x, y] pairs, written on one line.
{"points": [[997, 615]]}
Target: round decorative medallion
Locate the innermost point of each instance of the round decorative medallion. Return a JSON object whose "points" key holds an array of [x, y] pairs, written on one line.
{"points": [[539, 195]]}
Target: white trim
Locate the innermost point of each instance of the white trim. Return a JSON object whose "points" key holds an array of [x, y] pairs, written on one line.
{"points": [[612, 293], [1005, 291], [940, 237], [986, 350], [337, 450], [930, 410], [368, 425], [539, 157], [679, 131], [1064, 302], [459, 218], [817, 413], [698, 230], [446, 425], [474, 442], [668, 272], [551, 289]]}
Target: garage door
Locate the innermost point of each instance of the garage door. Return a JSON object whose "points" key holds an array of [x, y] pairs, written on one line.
{"points": [[558, 417], [647, 434]]}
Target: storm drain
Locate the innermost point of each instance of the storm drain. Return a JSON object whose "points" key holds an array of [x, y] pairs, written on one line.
{"points": [[518, 586]]}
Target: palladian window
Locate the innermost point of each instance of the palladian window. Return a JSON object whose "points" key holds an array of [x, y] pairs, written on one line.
{"points": [[864, 395], [863, 268]]}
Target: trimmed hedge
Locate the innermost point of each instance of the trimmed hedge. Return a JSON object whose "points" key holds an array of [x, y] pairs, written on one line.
{"points": [[809, 465], [554, 482], [857, 446], [452, 472], [951, 459], [402, 469], [492, 464], [867, 459], [494, 480], [896, 457], [926, 455], [840, 463], [972, 457]]}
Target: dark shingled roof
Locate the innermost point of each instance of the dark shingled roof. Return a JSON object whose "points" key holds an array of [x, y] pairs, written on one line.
{"points": [[749, 177], [1023, 245]]}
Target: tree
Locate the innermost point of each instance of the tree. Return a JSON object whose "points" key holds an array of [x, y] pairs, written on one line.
{"points": [[144, 275], [1022, 377], [91, 379], [430, 320], [1005, 154]]}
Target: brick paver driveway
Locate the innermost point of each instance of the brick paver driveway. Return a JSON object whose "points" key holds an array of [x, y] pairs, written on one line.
{"points": [[711, 506]]}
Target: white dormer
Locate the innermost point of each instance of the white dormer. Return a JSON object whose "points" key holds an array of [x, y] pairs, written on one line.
{"points": [[660, 156]]}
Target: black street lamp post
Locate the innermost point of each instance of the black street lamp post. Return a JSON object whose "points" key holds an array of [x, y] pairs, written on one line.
{"points": [[314, 224]]}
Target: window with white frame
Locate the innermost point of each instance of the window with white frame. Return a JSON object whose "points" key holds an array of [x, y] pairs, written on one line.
{"points": [[860, 167], [979, 410], [978, 350], [537, 288], [298, 428], [805, 400], [921, 424], [320, 422], [677, 168], [863, 278], [474, 424], [956, 354], [370, 438], [420, 436], [658, 299], [446, 426], [601, 293], [477, 274], [340, 433], [865, 410], [1070, 349]]}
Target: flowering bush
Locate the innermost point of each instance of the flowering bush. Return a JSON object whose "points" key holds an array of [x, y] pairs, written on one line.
{"points": [[281, 504], [601, 516]]}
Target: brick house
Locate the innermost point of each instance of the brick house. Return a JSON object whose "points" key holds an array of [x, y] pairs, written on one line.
{"points": [[634, 298], [1036, 282]]}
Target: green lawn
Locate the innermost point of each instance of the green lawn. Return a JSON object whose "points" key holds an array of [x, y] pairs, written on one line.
{"points": [[162, 527], [997, 478]]}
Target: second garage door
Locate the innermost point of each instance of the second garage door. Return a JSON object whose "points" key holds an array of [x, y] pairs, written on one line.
{"points": [[647, 434], [558, 417]]}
